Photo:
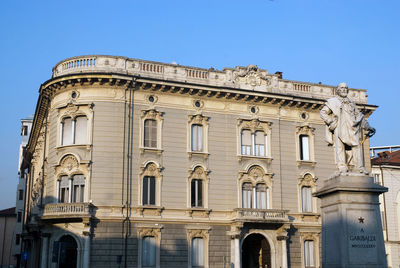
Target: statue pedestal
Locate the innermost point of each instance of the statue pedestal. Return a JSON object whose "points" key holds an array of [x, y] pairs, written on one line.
{"points": [[351, 222]]}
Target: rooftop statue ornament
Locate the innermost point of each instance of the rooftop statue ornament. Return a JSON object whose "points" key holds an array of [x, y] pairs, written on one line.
{"points": [[345, 125]]}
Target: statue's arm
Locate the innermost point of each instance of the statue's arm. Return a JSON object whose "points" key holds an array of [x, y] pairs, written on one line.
{"points": [[329, 119]]}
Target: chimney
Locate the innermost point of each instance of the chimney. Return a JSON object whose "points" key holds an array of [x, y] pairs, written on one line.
{"points": [[279, 74]]}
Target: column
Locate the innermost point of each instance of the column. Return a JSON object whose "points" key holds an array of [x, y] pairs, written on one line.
{"points": [[237, 252], [45, 249], [86, 251], [284, 250]]}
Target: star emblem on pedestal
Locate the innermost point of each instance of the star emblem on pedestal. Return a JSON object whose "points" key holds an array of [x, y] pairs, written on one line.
{"points": [[361, 220]]}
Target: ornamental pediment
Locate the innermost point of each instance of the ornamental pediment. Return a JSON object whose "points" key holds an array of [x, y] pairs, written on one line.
{"points": [[251, 76]]}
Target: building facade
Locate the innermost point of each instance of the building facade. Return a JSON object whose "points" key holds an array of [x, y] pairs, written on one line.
{"points": [[386, 171], [26, 126], [7, 224], [133, 163]]}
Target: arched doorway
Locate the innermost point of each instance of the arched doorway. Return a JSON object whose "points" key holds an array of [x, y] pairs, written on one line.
{"points": [[68, 252], [256, 252]]}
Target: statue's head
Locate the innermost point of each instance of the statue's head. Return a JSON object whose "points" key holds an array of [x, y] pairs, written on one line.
{"points": [[342, 90]]}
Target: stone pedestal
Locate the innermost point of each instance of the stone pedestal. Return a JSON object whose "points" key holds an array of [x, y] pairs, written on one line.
{"points": [[351, 222]]}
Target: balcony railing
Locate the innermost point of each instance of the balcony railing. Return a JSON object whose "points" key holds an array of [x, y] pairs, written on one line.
{"points": [[67, 210], [250, 214]]}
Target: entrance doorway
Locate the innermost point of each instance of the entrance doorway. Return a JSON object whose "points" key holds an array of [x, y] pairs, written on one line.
{"points": [[256, 252], [68, 252]]}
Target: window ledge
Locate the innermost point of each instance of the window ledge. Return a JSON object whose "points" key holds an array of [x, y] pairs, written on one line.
{"points": [[198, 212], [151, 150], [306, 162], [84, 146], [245, 157], [195, 153], [149, 210]]}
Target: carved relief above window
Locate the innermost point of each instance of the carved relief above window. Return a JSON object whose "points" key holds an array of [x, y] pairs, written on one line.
{"points": [[197, 135], [306, 186], [305, 144], [255, 188], [150, 131], [254, 139], [71, 175], [74, 124], [197, 192]]}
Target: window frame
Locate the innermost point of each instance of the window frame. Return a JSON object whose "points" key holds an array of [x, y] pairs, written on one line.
{"points": [[307, 180], [302, 131], [201, 232], [150, 169], [144, 230], [254, 126], [157, 116], [255, 175], [310, 236], [199, 120], [199, 173]]}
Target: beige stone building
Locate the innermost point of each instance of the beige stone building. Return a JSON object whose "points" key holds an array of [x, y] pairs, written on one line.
{"points": [[133, 163]]}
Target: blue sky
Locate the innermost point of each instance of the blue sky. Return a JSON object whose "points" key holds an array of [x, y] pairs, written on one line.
{"points": [[356, 41]]}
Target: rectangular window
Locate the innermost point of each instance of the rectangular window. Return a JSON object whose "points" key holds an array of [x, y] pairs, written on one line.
{"points": [[197, 252], [304, 147], [196, 193], [67, 134], [17, 239], [81, 130], [246, 142], [63, 195], [197, 138], [149, 190], [306, 203], [262, 194], [150, 133], [148, 251], [19, 216], [309, 253], [24, 131], [79, 189], [20, 194], [377, 178], [247, 190], [259, 141]]}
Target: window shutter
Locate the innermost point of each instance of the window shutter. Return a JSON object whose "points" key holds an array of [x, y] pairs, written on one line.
{"points": [[67, 132], [81, 130]]}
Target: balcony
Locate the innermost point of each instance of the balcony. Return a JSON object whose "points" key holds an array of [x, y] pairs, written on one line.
{"points": [[68, 211], [261, 215]]}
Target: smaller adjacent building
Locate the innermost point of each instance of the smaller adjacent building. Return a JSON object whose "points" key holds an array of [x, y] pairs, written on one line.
{"points": [[7, 224], [386, 171], [26, 126]]}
